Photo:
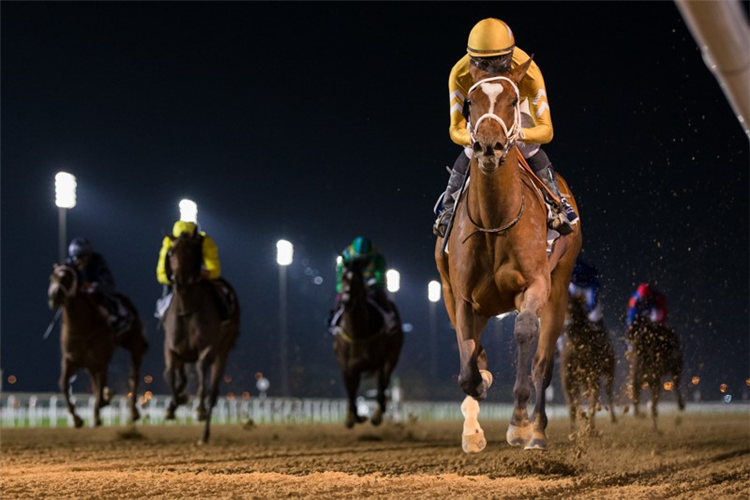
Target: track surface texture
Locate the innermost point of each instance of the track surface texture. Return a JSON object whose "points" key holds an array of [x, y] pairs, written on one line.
{"points": [[704, 456]]}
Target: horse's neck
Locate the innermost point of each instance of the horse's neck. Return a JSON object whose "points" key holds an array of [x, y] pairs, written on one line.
{"points": [[495, 198], [356, 315]]}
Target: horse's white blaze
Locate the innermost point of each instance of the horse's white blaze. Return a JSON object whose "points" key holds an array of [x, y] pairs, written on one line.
{"points": [[492, 90]]}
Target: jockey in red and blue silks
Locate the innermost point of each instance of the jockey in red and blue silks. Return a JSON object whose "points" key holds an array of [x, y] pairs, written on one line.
{"points": [[647, 303], [585, 283]]}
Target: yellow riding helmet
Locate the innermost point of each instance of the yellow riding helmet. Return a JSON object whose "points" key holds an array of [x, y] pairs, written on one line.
{"points": [[182, 226], [490, 37]]}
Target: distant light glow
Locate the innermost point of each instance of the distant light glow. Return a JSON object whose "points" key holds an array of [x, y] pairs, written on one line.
{"points": [[284, 252], [723, 388], [188, 211], [668, 386], [65, 190], [433, 291], [393, 280], [12, 379], [696, 380]]}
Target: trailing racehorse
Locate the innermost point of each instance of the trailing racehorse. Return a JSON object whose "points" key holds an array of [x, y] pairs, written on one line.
{"points": [[587, 355], [497, 261], [654, 353], [198, 328], [362, 344], [88, 341]]}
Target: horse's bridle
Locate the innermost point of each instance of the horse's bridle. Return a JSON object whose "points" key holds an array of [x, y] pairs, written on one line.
{"points": [[512, 132]]}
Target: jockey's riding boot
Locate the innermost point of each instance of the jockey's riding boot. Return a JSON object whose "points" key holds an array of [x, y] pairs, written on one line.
{"points": [[456, 180], [567, 216]]}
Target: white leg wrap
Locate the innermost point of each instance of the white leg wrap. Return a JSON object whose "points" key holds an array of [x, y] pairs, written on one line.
{"points": [[470, 411]]}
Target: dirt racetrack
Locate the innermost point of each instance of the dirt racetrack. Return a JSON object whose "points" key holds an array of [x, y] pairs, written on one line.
{"points": [[705, 457]]}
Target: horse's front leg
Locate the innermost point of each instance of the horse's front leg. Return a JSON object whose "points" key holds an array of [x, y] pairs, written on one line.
{"points": [[351, 382], [217, 372], [202, 367], [474, 378], [526, 332], [99, 381], [174, 375], [135, 365], [67, 372]]}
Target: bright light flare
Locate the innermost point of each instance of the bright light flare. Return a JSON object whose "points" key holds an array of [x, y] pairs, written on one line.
{"points": [[433, 291], [188, 211], [284, 252], [393, 280], [65, 190]]}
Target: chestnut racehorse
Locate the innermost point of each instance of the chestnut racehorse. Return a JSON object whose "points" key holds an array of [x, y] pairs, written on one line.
{"points": [[497, 262], [87, 341], [194, 330]]}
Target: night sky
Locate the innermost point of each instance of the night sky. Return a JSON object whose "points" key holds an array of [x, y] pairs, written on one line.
{"points": [[317, 122]]}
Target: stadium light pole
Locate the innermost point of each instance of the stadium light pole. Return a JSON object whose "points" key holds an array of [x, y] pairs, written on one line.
{"points": [[284, 257], [65, 198], [433, 294]]}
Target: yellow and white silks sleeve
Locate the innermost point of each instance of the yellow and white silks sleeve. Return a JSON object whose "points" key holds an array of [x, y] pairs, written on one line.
{"points": [[533, 90]]}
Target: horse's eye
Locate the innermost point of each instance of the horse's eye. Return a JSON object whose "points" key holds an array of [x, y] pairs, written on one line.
{"points": [[515, 102]]}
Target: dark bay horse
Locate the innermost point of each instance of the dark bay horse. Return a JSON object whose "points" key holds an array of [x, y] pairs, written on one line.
{"points": [[88, 341], [587, 355], [362, 344], [194, 330], [497, 262], [656, 353]]}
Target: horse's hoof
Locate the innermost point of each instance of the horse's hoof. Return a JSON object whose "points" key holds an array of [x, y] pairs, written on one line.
{"points": [[77, 421], [473, 443], [377, 418], [536, 444], [135, 415], [518, 436], [169, 415]]}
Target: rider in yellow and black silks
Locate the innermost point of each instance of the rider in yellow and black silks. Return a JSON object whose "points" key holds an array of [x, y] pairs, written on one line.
{"points": [[211, 268], [211, 264], [491, 47]]}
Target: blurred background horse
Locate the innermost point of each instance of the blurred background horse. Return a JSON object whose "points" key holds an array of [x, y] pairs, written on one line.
{"points": [[195, 328], [88, 341], [363, 345], [654, 353], [586, 356]]}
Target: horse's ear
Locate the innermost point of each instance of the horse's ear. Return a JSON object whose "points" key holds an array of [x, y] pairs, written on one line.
{"points": [[520, 71]]}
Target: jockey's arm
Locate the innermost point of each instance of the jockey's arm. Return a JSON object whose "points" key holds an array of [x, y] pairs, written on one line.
{"points": [[459, 83], [211, 258], [104, 280], [532, 89], [161, 267]]}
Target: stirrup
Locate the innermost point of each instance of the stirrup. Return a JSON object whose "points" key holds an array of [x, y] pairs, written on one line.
{"points": [[441, 223], [569, 211], [561, 224]]}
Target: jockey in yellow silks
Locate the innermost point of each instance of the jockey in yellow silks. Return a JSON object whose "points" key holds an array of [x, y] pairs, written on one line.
{"points": [[491, 47], [211, 265]]}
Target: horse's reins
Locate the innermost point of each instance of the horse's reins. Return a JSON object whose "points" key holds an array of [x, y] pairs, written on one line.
{"points": [[511, 134], [69, 292]]}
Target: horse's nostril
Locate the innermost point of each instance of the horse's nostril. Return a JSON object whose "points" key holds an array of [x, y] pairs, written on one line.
{"points": [[499, 146], [477, 147]]}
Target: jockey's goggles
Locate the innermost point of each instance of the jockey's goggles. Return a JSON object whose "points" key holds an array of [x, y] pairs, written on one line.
{"points": [[493, 64]]}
